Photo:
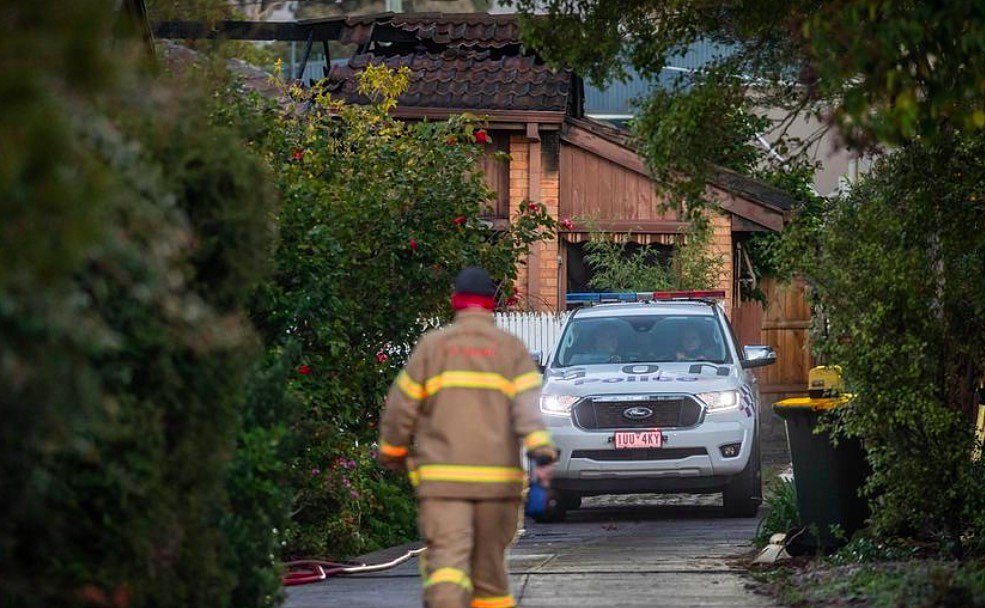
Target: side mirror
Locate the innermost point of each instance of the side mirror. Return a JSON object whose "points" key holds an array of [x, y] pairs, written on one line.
{"points": [[538, 357], [758, 355]]}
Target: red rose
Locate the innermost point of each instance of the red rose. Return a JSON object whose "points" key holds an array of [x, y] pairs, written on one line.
{"points": [[298, 154], [413, 244], [381, 357], [481, 137], [511, 301], [567, 224], [304, 370], [459, 220], [533, 207]]}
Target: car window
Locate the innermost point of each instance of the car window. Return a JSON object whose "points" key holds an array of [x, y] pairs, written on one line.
{"points": [[641, 339]]}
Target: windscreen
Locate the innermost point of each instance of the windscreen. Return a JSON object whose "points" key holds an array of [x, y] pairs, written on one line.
{"points": [[641, 339]]}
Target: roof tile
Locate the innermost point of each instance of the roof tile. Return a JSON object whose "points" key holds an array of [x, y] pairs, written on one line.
{"points": [[467, 79]]}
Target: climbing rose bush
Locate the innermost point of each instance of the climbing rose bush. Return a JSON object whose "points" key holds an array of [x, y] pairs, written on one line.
{"points": [[377, 217]]}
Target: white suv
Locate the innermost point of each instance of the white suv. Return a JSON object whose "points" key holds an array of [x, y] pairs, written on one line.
{"points": [[654, 397]]}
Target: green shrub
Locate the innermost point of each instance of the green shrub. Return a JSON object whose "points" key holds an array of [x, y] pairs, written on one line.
{"points": [[896, 268], [377, 217], [782, 516], [135, 227], [692, 266]]}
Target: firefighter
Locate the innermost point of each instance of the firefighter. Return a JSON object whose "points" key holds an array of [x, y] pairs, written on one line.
{"points": [[456, 419]]}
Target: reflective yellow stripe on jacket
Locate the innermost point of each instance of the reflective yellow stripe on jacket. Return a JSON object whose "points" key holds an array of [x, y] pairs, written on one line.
{"points": [[467, 473], [410, 388], [468, 379], [465, 379], [527, 381]]}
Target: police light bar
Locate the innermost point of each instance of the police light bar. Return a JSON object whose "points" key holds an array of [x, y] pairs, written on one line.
{"points": [[705, 294], [598, 298], [643, 296]]}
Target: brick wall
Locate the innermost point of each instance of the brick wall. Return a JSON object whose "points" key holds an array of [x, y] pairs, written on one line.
{"points": [[721, 244]]}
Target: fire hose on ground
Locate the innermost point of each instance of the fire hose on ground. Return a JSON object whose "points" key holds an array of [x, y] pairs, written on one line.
{"points": [[305, 571]]}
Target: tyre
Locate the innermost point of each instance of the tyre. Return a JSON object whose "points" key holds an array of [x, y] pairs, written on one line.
{"points": [[555, 511], [744, 492], [569, 501]]}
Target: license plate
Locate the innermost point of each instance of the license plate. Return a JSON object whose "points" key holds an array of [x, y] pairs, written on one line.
{"points": [[638, 439]]}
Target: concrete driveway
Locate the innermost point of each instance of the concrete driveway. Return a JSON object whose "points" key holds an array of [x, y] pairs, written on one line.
{"points": [[627, 552]]}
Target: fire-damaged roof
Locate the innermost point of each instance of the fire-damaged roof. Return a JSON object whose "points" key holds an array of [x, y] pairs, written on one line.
{"points": [[469, 61], [457, 61], [448, 29], [463, 79], [472, 62]]}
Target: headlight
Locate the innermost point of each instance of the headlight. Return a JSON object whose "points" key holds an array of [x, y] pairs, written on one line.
{"points": [[557, 405], [720, 400]]}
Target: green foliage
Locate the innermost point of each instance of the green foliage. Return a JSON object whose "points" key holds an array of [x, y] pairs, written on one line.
{"points": [[865, 549], [692, 267], [132, 222], [875, 69], [683, 133], [896, 78], [896, 268], [782, 516], [377, 217]]}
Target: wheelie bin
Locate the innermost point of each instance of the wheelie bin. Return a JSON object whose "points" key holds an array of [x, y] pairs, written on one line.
{"points": [[827, 477]]}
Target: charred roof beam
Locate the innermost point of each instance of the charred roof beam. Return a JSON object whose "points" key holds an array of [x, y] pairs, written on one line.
{"points": [[250, 30]]}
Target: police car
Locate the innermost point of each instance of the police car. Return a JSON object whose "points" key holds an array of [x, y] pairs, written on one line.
{"points": [[654, 396]]}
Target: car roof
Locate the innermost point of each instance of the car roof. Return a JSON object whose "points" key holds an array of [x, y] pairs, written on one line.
{"points": [[661, 307]]}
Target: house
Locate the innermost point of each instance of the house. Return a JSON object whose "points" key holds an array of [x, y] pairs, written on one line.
{"points": [[580, 168]]}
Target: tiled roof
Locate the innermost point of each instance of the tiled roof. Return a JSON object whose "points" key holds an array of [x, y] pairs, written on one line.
{"points": [[453, 29], [464, 79], [488, 31]]}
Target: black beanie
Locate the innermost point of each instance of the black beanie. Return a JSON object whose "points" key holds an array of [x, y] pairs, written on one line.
{"points": [[475, 281]]}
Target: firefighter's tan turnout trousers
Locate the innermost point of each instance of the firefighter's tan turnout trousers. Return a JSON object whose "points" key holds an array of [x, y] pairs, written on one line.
{"points": [[465, 562]]}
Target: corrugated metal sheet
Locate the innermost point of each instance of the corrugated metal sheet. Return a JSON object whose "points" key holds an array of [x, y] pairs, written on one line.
{"points": [[617, 100]]}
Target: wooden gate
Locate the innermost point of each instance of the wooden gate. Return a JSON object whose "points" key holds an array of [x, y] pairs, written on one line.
{"points": [[784, 325]]}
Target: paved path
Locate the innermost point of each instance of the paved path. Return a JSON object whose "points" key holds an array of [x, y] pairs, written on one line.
{"points": [[626, 552]]}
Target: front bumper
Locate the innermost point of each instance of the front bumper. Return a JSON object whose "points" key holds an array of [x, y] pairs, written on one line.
{"points": [[689, 461]]}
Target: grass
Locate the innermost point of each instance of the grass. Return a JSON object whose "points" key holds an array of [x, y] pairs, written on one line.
{"points": [[914, 583]]}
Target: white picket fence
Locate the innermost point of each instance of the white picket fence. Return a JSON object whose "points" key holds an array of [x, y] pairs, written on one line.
{"points": [[538, 330]]}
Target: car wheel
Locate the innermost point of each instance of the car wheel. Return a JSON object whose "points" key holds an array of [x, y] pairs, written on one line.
{"points": [[742, 495], [555, 511], [569, 501]]}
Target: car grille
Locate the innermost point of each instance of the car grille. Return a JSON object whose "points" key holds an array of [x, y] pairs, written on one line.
{"points": [[677, 412], [640, 454]]}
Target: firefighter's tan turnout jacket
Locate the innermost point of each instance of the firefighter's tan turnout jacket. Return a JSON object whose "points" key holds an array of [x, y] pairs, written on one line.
{"points": [[462, 409]]}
